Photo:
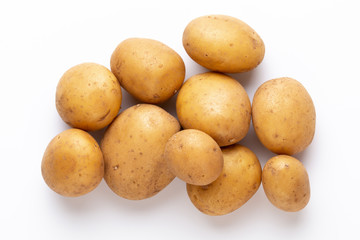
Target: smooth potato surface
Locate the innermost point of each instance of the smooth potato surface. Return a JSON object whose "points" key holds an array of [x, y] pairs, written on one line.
{"points": [[237, 183], [223, 43], [88, 96], [148, 69], [215, 104], [133, 147], [72, 164], [283, 116], [194, 157], [286, 183]]}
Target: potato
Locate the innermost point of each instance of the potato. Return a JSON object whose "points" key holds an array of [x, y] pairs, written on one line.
{"points": [[72, 164], [283, 116], [133, 148], [238, 182], [88, 96], [194, 157], [215, 104], [286, 183], [148, 69], [223, 43]]}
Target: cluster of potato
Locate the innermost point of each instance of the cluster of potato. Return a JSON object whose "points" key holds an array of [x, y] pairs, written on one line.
{"points": [[144, 147]]}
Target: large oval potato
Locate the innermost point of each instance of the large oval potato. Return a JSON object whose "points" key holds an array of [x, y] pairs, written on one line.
{"points": [[238, 182], [88, 96], [283, 116], [133, 147], [194, 157], [148, 69], [72, 164], [286, 183], [215, 104], [223, 43]]}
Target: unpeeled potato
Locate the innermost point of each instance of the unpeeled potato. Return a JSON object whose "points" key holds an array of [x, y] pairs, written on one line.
{"points": [[215, 104], [286, 183], [194, 157], [133, 147], [88, 96], [72, 164], [237, 183], [223, 43], [283, 116], [148, 69]]}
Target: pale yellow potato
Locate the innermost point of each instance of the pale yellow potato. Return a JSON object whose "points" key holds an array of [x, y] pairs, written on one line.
{"points": [[215, 104], [237, 183], [88, 96], [286, 183], [194, 157], [223, 43], [133, 148], [148, 69], [72, 164], [283, 116]]}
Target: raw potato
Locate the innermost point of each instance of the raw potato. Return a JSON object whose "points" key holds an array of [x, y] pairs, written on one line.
{"points": [[133, 147], [223, 43], [215, 104], [194, 157], [238, 182], [284, 116], [286, 183], [148, 69], [72, 164], [88, 96]]}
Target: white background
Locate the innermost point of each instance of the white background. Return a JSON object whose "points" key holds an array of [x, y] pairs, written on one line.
{"points": [[315, 42]]}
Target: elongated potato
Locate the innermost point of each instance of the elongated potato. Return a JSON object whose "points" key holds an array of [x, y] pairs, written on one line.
{"points": [[238, 182], [223, 43], [133, 147], [284, 116]]}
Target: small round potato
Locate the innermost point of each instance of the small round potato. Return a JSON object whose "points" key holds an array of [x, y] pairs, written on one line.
{"points": [[133, 148], [194, 157], [148, 69], [223, 43], [238, 182], [88, 96], [283, 116], [72, 164], [286, 183], [215, 104]]}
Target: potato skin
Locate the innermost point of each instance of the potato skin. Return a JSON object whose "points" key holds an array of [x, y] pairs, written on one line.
{"points": [[215, 104], [148, 69], [194, 157], [223, 43], [238, 182], [133, 147], [88, 96], [283, 116], [286, 183], [72, 164]]}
